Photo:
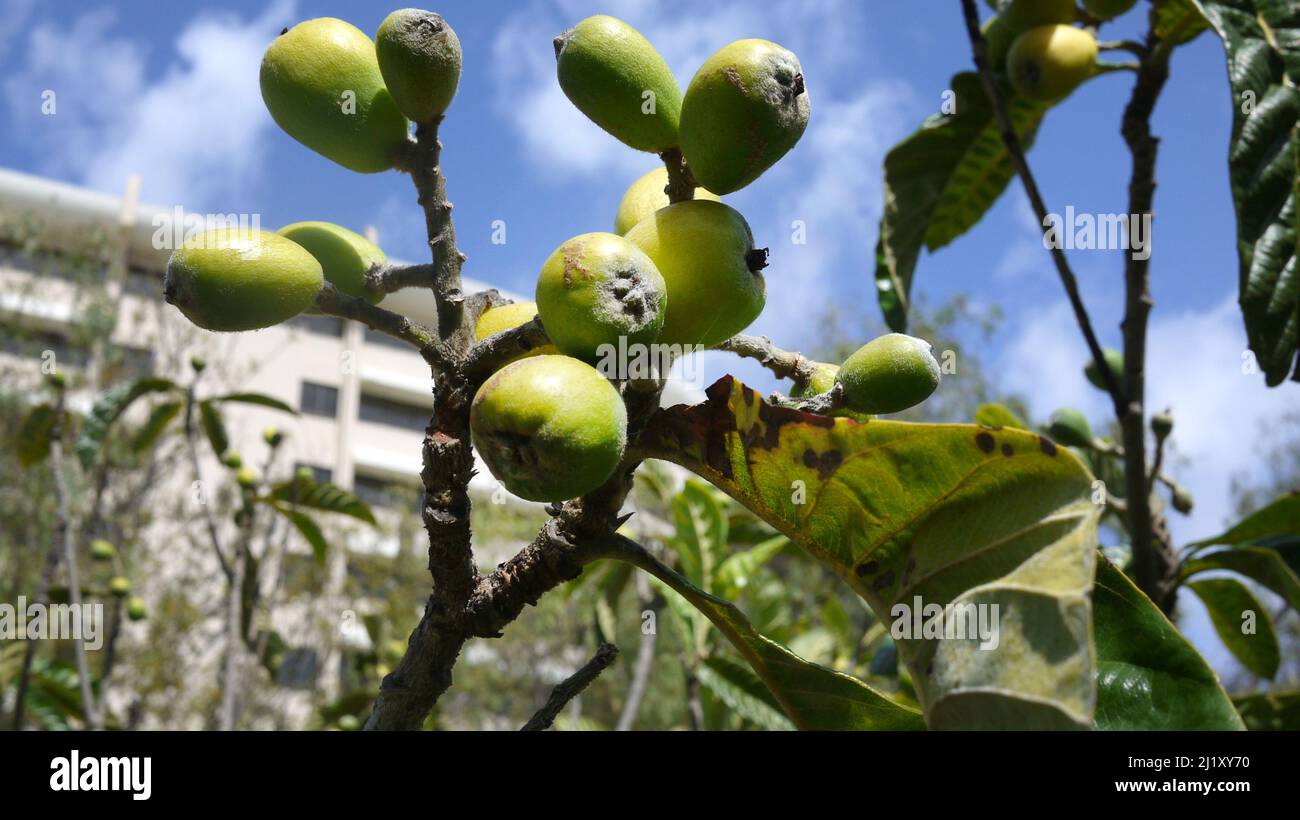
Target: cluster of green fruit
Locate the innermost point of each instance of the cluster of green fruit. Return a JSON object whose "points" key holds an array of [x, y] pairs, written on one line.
{"points": [[1036, 44], [119, 586]]}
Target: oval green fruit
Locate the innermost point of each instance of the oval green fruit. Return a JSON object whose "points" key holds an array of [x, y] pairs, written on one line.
{"points": [[823, 379], [1114, 360], [232, 279], [246, 476], [597, 289], [344, 256], [645, 196], [508, 317], [549, 428], [998, 37], [1070, 427], [120, 586], [419, 56], [1108, 9], [612, 74], [713, 274], [889, 374], [745, 109], [1022, 15], [321, 82], [1048, 62], [102, 550], [135, 608]]}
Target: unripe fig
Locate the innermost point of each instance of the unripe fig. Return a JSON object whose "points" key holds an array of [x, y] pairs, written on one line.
{"points": [[1108, 9], [645, 196], [1162, 424], [612, 74], [135, 608], [247, 477], [322, 84], [549, 428], [745, 108], [102, 550], [889, 374], [596, 288], [120, 586], [419, 56], [823, 379], [231, 279], [273, 437], [1048, 62], [1022, 15], [508, 317], [1114, 360], [1182, 501], [304, 474], [198, 363], [1070, 427], [344, 256], [232, 459], [705, 252], [56, 379]]}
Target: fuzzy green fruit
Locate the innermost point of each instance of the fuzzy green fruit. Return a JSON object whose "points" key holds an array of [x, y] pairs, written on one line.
{"points": [[998, 36], [246, 476], [232, 459], [322, 84], [823, 379], [508, 317], [597, 288], [549, 428], [1048, 62], [745, 109], [135, 608], [644, 197], [120, 586], [1114, 360], [56, 379], [713, 274], [198, 363], [344, 256], [231, 279], [612, 74], [1108, 9], [419, 55], [1162, 424], [304, 474], [349, 723], [273, 437], [1183, 501], [1022, 15], [889, 374], [1070, 427], [102, 550]]}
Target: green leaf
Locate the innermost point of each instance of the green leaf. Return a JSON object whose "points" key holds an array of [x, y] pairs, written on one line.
{"points": [[112, 403], [214, 427], [32, 441], [1229, 602], [939, 182], [702, 525], [326, 497], [998, 415], [1263, 566], [812, 696], [1281, 517], [743, 692], [1262, 39], [1148, 675], [952, 514], [255, 398], [1179, 20], [161, 416], [1270, 711], [736, 570], [309, 529]]}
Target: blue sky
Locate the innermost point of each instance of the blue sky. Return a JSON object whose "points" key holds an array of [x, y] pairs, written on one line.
{"points": [[170, 91]]}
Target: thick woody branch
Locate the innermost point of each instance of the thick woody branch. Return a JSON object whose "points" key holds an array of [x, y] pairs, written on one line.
{"points": [[783, 364], [392, 278], [568, 689], [681, 182], [489, 355], [335, 303]]}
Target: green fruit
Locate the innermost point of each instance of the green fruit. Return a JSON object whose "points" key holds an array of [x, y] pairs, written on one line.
{"points": [[596, 289], [889, 374], [247, 477], [745, 108], [823, 379], [1048, 62], [1108, 9], [56, 379], [419, 56], [1022, 15], [645, 196], [616, 78], [349, 723], [135, 608], [1162, 424], [705, 252], [102, 550], [272, 437], [1114, 360], [198, 363], [1183, 501], [120, 586], [344, 256], [549, 427], [232, 459], [231, 279], [998, 37], [1070, 427], [304, 474], [322, 84], [508, 317]]}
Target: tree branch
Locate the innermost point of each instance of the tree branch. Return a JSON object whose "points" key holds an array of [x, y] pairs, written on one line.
{"points": [[391, 278], [192, 450], [570, 688], [645, 658], [783, 364], [681, 182], [332, 301], [489, 355]]}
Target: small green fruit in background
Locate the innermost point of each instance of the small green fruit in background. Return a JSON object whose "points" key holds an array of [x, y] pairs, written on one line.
{"points": [[620, 82], [823, 379], [231, 279], [232, 459], [304, 474], [713, 274], [645, 196], [743, 111], [198, 363], [344, 256], [1114, 360], [273, 437], [998, 36], [1022, 15], [508, 317], [1183, 501], [889, 374], [102, 550], [135, 608], [322, 84], [1108, 9], [1162, 424], [597, 288], [348, 723], [120, 586], [56, 379], [549, 428], [247, 477], [1048, 62], [419, 56], [1070, 427]]}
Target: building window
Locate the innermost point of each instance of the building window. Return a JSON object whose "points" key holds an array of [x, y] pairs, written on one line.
{"points": [[319, 400], [321, 475], [318, 323], [395, 413], [379, 492]]}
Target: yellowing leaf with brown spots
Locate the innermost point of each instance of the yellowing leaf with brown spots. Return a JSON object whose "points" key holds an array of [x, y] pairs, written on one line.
{"points": [[947, 515]]}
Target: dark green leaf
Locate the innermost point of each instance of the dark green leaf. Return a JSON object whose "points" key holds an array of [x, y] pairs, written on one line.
{"points": [[112, 403], [1263, 566], [1179, 20], [743, 692], [214, 427], [736, 570], [1281, 517], [161, 416], [255, 398], [1230, 603], [309, 530], [1270, 711], [326, 497]]}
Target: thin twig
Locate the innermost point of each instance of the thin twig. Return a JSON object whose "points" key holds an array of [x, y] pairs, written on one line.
{"points": [[192, 448], [492, 353], [391, 278], [568, 689], [335, 303], [783, 364], [645, 657]]}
